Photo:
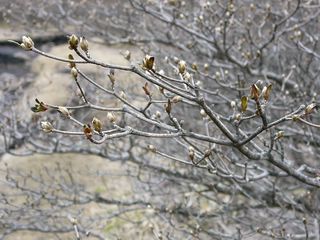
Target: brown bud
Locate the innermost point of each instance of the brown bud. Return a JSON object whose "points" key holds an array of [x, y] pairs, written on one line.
{"points": [[148, 62], [255, 92], [87, 130], [112, 77], [266, 92], [168, 106], [146, 89]]}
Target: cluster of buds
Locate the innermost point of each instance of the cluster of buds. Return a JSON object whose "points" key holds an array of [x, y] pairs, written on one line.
{"points": [[27, 43], [256, 93], [39, 106]]}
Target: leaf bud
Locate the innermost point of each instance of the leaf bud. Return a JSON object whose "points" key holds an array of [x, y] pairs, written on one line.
{"points": [[64, 111], [27, 43], [111, 117], [152, 148], [73, 42], [97, 125], [148, 62], [74, 72], [46, 126], [84, 45], [181, 66]]}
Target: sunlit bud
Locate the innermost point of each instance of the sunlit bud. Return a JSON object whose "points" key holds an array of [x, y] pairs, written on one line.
{"points": [[27, 43], [198, 84], [152, 148], [73, 42], [238, 117], [111, 117], [74, 72], [217, 74], [206, 67], [161, 72], [64, 111], [97, 125], [279, 135], [148, 62], [84, 44], [73, 221], [191, 152], [233, 104], [176, 99], [158, 114], [123, 95], [127, 55], [310, 108], [176, 60], [181, 66], [203, 113], [46, 126]]}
